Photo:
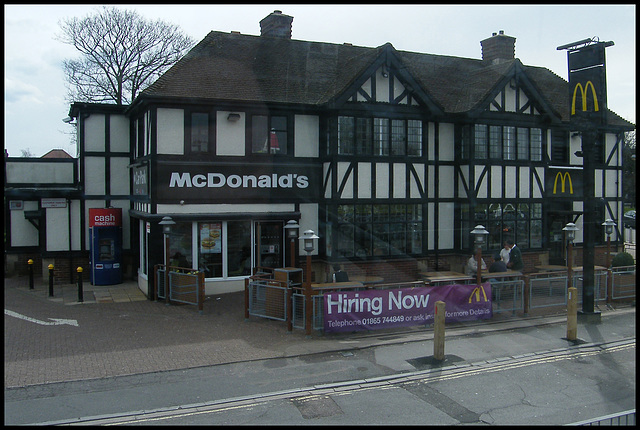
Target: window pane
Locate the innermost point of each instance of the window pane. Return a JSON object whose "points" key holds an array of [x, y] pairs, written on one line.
{"points": [[481, 141], [210, 249], [238, 248], [414, 141], [380, 213], [259, 134], [180, 245], [199, 132], [523, 143], [397, 239], [345, 240], [536, 234], [364, 139], [278, 135], [345, 135], [398, 137], [536, 144], [415, 238], [495, 142], [398, 212], [381, 136], [381, 239], [509, 148]]}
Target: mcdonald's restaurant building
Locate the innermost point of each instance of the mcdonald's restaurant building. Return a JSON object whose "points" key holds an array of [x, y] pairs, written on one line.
{"points": [[390, 157]]}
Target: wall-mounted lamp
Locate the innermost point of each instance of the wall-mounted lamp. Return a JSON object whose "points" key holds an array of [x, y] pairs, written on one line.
{"points": [[384, 72], [233, 117]]}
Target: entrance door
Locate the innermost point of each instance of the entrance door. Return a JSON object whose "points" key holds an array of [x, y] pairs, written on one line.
{"points": [[557, 251], [269, 244]]}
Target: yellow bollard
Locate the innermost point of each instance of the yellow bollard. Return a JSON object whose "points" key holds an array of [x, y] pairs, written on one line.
{"points": [[438, 332], [572, 314]]}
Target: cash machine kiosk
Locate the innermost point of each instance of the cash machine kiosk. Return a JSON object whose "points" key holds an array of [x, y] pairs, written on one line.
{"points": [[105, 232]]}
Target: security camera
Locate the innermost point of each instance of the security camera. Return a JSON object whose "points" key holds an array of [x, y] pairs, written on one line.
{"points": [[67, 120]]}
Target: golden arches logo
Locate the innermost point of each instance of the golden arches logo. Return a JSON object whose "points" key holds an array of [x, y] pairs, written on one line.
{"points": [[583, 94], [476, 291], [563, 178]]}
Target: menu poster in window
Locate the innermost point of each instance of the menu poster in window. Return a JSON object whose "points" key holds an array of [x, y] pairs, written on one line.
{"points": [[210, 238]]}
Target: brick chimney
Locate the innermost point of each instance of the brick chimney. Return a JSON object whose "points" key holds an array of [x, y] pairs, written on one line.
{"points": [[498, 48], [276, 25]]}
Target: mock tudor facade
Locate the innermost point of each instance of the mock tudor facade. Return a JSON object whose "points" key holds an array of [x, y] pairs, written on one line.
{"points": [[391, 157]]}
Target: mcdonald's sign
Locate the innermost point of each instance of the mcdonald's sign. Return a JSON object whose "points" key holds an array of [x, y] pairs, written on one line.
{"points": [[476, 291], [583, 96], [587, 82], [564, 183]]}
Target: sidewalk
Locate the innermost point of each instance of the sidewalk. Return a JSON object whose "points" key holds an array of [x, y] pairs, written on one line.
{"points": [[119, 332]]}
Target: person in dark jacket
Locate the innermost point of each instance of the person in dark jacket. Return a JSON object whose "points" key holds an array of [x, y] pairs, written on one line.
{"points": [[515, 257], [497, 265]]}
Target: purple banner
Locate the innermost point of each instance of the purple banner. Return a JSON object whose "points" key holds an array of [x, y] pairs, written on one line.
{"points": [[401, 307]]}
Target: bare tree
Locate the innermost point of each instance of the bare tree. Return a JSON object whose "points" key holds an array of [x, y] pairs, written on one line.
{"points": [[122, 54]]}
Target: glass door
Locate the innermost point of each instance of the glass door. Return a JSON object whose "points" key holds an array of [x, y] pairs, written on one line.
{"points": [[269, 244]]}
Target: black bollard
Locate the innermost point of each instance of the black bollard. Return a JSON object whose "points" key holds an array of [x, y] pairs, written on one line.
{"points": [[30, 263], [80, 298], [50, 280]]}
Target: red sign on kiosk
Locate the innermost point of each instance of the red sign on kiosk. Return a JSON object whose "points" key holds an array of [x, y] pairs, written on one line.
{"points": [[107, 217]]}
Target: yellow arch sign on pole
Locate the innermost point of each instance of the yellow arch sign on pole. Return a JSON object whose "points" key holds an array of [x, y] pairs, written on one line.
{"points": [[583, 93]]}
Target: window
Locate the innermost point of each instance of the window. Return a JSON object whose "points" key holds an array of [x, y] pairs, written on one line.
{"points": [[379, 136], [346, 134], [199, 141], [224, 248], [495, 142], [522, 139], [414, 139], [536, 144], [398, 137], [505, 142], [509, 143], [378, 230], [481, 141], [180, 254], [520, 222], [269, 134], [364, 133]]}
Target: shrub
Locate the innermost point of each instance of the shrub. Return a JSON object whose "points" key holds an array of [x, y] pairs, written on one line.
{"points": [[622, 259]]}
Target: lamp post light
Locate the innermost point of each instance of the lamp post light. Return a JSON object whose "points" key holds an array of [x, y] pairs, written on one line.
{"points": [[308, 240], [167, 223], [608, 229], [571, 229], [479, 233], [292, 229]]}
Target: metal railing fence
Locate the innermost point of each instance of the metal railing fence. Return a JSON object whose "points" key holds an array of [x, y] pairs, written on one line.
{"points": [[185, 285], [623, 282]]}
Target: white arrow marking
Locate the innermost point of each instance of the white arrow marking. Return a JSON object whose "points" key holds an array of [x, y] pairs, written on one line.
{"points": [[54, 321]]}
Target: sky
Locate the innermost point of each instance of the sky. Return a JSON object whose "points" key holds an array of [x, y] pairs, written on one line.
{"points": [[35, 90]]}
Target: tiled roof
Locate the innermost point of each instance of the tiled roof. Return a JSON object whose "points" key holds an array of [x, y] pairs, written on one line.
{"points": [[245, 68], [56, 153]]}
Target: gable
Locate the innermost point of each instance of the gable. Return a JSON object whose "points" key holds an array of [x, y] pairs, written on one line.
{"points": [[515, 93], [387, 81]]}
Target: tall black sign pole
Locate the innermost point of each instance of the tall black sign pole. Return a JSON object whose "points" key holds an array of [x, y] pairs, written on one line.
{"points": [[588, 95]]}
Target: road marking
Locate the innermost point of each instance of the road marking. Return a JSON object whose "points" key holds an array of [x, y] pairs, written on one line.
{"points": [[54, 321]]}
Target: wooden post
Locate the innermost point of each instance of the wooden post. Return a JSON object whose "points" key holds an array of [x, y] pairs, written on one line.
{"points": [[572, 314], [438, 331], [201, 292]]}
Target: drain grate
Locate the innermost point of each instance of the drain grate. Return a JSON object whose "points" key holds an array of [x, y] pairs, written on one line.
{"points": [[317, 407]]}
